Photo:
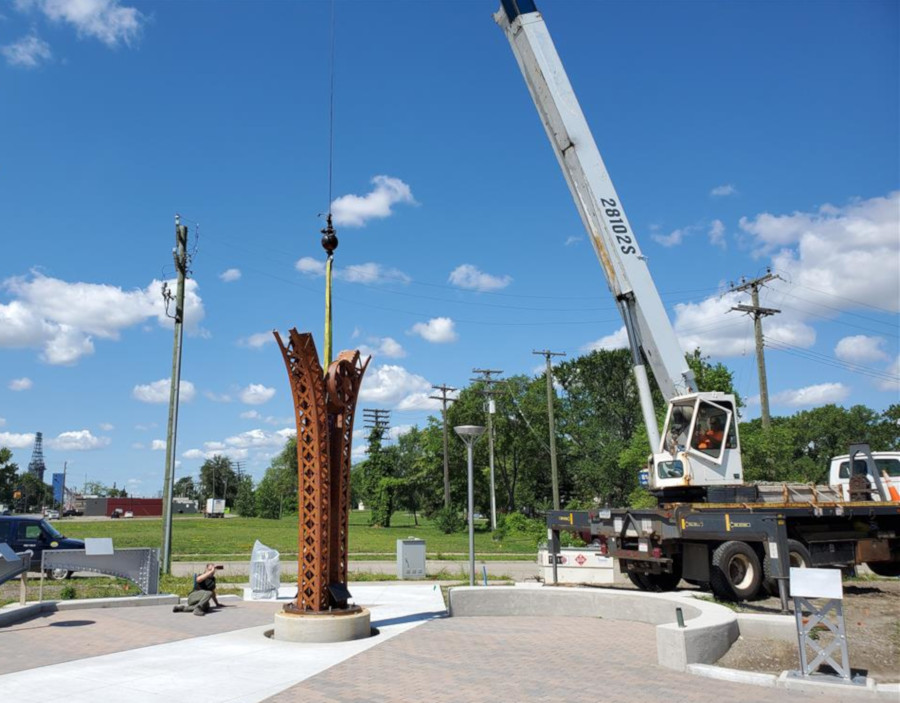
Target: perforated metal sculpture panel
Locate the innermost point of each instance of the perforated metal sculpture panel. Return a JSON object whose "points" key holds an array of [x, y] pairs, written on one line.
{"points": [[324, 407]]}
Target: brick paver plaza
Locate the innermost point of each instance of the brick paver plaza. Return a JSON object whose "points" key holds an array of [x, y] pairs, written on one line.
{"points": [[448, 659]]}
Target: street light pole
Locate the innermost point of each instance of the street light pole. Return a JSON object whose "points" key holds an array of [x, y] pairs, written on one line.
{"points": [[470, 434]]}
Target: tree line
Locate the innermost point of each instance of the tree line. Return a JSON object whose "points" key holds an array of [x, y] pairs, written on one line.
{"points": [[601, 445]]}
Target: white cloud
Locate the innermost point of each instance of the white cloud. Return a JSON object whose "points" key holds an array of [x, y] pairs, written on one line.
{"points": [[389, 385], [369, 272], [62, 318], [28, 52], [820, 394], [438, 330], [717, 234], [251, 415], [418, 401], [356, 210], [158, 445], [616, 340], [383, 346], [723, 190], [572, 240], [861, 349], [398, 431], [105, 20], [472, 278], [256, 394], [217, 397], [892, 384], [672, 239], [20, 384], [715, 329], [230, 275], [11, 440], [257, 341], [309, 266], [158, 391], [193, 454], [77, 441], [106, 427]]}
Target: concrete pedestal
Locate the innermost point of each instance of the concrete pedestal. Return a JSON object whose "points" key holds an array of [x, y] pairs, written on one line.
{"points": [[327, 627]]}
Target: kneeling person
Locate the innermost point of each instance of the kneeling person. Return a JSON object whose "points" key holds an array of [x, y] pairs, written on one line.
{"points": [[204, 592]]}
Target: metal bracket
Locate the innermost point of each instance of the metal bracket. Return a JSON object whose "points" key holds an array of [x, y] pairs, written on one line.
{"points": [[808, 634], [140, 566]]}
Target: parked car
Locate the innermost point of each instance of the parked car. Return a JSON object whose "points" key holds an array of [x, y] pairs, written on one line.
{"points": [[28, 532], [51, 514], [71, 512]]}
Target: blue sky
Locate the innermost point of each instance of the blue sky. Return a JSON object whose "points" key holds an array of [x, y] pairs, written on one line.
{"points": [[739, 135]]}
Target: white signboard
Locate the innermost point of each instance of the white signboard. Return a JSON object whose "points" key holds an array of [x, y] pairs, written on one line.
{"points": [[816, 583], [98, 546]]}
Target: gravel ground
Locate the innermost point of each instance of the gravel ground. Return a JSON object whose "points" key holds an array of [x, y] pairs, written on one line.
{"points": [[872, 620]]}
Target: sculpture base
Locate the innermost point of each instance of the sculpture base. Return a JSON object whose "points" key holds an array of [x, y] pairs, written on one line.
{"points": [[336, 626]]}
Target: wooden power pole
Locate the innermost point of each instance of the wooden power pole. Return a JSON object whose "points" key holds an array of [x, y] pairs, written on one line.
{"points": [[554, 475], [758, 313], [181, 265], [445, 389]]}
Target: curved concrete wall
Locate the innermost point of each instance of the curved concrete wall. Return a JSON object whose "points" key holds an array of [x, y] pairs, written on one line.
{"points": [[709, 629]]}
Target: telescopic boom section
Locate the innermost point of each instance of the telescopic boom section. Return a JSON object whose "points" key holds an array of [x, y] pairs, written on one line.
{"points": [[649, 331]]}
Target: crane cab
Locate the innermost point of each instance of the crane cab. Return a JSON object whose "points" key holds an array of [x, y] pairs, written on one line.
{"points": [[699, 446]]}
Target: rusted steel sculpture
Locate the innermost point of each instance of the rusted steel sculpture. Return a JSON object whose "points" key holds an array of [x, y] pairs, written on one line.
{"points": [[324, 407]]}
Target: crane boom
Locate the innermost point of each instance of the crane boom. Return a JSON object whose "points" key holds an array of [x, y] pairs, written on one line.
{"points": [[699, 447], [648, 326]]}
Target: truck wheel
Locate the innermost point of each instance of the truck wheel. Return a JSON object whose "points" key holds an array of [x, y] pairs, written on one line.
{"points": [[798, 556], [59, 574], [736, 573], [639, 580], [884, 568], [662, 582]]}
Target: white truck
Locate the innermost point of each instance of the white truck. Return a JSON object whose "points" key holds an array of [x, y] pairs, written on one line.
{"points": [[887, 466], [215, 507], [709, 527]]}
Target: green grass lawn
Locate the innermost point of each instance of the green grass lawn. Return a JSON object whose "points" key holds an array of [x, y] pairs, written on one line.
{"points": [[198, 538]]}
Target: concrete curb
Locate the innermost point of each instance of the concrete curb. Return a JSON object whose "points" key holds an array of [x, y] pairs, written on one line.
{"points": [[708, 633], [15, 613]]}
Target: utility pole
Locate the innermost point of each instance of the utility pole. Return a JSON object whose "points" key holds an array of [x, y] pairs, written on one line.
{"points": [[546, 353], [445, 389], [758, 313], [181, 266], [377, 419], [489, 381]]}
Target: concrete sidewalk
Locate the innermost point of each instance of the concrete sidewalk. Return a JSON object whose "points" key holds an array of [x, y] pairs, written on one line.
{"points": [[151, 655]]}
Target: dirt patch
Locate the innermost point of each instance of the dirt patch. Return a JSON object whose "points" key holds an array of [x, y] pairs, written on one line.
{"points": [[872, 620]]}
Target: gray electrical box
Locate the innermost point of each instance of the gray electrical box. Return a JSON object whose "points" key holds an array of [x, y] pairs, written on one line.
{"points": [[410, 559]]}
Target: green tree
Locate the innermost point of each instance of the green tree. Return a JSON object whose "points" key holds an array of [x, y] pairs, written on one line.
{"points": [[185, 488], [378, 484], [218, 479], [276, 493], [34, 494], [8, 470], [245, 500]]}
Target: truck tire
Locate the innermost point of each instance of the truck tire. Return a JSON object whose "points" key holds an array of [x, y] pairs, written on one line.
{"points": [[58, 574], [639, 580], [884, 568], [736, 573], [799, 557], [662, 582]]}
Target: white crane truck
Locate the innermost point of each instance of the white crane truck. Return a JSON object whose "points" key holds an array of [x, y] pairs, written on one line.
{"points": [[709, 527]]}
